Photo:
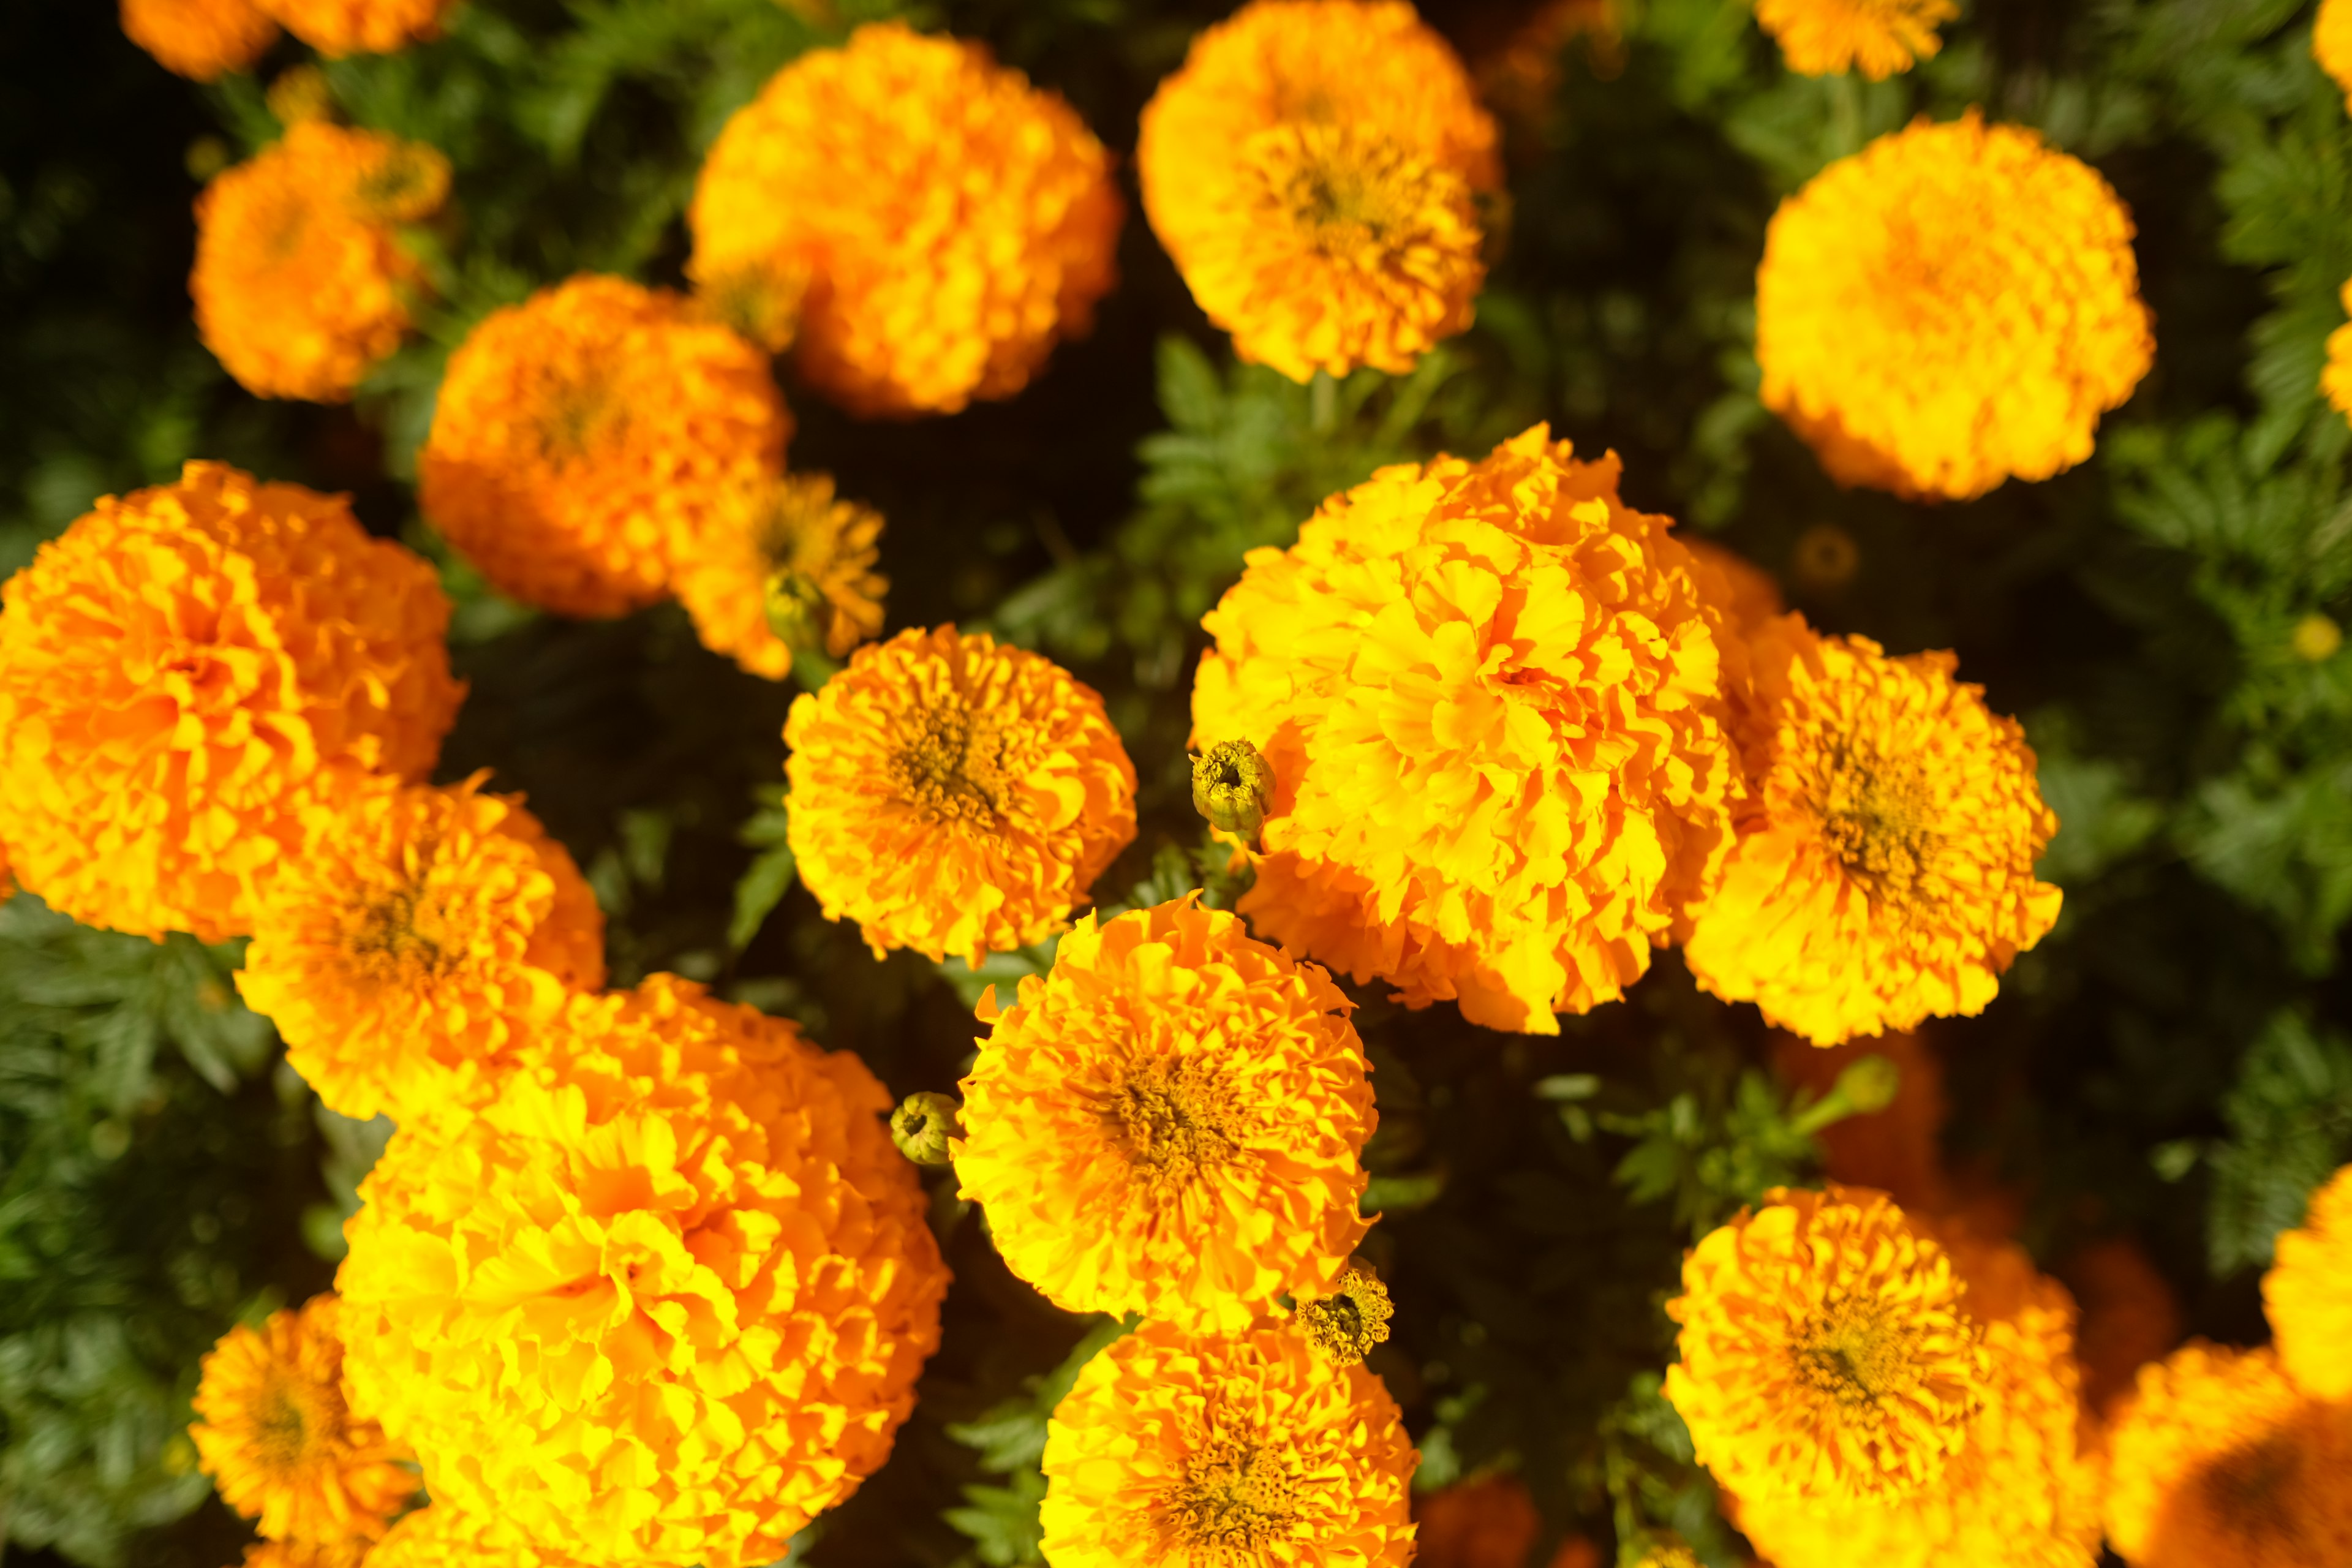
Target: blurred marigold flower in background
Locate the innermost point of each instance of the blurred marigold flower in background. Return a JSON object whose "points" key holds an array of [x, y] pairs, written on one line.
{"points": [[187, 674], [1315, 171], [948, 221], [1954, 306], [2331, 43], [341, 27], [1878, 38], [201, 39], [2308, 1292], [784, 565], [2335, 376], [1488, 1523]]}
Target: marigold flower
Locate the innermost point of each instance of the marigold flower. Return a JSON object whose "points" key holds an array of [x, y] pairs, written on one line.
{"points": [[663, 1301], [1826, 1355], [1223, 1451], [276, 1436], [1168, 1124], [1879, 37], [786, 564], [188, 672], [1491, 697], [581, 436], [1953, 306], [1489, 1523], [2335, 376], [339, 27], [1315, 172], [300, 283], [443, 1537], [422, 936], [2331, 43], [951, 220], [201, 39], [2308, 1292], [952, 795]]}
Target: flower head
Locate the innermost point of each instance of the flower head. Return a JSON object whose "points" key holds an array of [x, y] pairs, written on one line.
{"points": [[187, 672], [1244, 1450], [1878, 38], [584, 436], [665, 1300], [2309, 1294], [1953, 306], [424, 932], [1491, 697], [1346, 1324], [2331, 43], [300, 283], [2335, 376], [1168, 1122], [276, 1436], [952, 795], [200, 39], [341, 27], [785, 565], [950, 221], [1314, 171]]}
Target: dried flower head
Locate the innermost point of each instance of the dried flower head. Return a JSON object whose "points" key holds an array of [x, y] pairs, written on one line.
{"points": [[341, 27], [201, 39], [785, 567], [2309, 1294], [1878, 38], [1345, 1324]]}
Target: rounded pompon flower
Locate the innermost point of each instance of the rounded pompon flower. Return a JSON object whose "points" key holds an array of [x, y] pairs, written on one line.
{"points": [[1246, 1450], [1825, 1353], [954, 797], [186, 674], [1315, 170], [201, 39], [1880, 38], [2309, 1294], [1491, 695], [274, 1432], [1954, 306], [582, 435], [948, 221], [785, 565], [409, 953], [663, 1301], [338, 27], [1168, 1124], [2331, 43], [1883, 873], [300, 283]]}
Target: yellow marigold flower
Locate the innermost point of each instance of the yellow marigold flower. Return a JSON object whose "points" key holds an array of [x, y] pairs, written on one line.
{"points": [[2335, 376], [951, 220], [580, 436], [1879, 37], [663, 1301], [188, 672], [954, 797], [201, 39], [1491, 696], [1885, 870], [1226, 1451], [1824, 1352], [1168, 1124], [443, 1537], [1953, 306], [2331, 43], [276, 1436], [1314, 171], [2220, 1461], [2309, 1294], [786, 564], [422, 936], [300, 283], [341, 27]]}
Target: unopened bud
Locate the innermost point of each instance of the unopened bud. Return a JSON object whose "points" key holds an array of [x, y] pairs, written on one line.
{"points": [[300, 93], [1869, 1085], [797, 611], [1232, 786], [922, 1125], [1346, 1324]]}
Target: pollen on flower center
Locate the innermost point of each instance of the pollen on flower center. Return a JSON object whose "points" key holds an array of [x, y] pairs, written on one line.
{"points": [[1175, 1120], [1233, 1495], [281, 1426], [952, 771], [398, 936], [1875, 816], [1851, 1353]]}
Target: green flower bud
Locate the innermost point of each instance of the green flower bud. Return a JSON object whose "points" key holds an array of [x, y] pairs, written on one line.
{"points": [[1232, 786], [922, 1125], [796, 610]]}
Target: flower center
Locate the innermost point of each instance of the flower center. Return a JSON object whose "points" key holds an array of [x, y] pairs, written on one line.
{"points": [[281, 1425], [575, 412], [1344, 191], [953, 770], [1848, 1352], [1877, 815], [397, 938], [2251, 1490], [1176, 1119], [1233, 1497]]}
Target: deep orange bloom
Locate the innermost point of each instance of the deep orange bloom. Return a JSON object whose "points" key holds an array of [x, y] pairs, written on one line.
{"points": [[2309, 1294], [360, 27], [1878, 38], [200, 39]]}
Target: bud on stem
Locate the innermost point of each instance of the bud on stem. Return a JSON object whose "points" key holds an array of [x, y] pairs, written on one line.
{"points": [[922, 1125], [1232, 786]]}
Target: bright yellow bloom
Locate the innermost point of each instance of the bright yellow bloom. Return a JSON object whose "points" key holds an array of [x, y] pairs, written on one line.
{"points": [[950, 221], [1168, 1124], [1491, 696], [582, 433], [1314, 171], [1885, 867], [2309, 1294], [954, 797], [663, 1301], [441, 1537], [1825, 1355], [1953, 306], [341, 27], [201, 39], [2331, 43], [186, 674], [2335, 376], [422, 936], [300, 283], [787, 564], [1246, 1450], [1879, 37], [274, 1432]]}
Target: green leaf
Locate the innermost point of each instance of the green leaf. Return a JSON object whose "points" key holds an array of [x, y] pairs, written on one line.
{"points": [[2290, 1120]]}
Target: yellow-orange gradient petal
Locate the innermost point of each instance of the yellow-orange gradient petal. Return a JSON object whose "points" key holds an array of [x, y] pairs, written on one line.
{"points": [[201, 39], [337, 28], [2309, 1294]]}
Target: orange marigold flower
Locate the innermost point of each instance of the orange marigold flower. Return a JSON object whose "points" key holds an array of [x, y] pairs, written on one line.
{"points": [[188, 672], [1885, 869], [341, 27], [1490, 1522], [2331, 43], [343, 1553], [1826, 1355], [954, 797], [2309, 1294], [949, 220], [276, 1434], [1223, 1451], [1879, 37], [1491, 696], [443, 1537], [422, 936], [1953, 306], [584, 433], [785, 565], [300, 283], [1314, 171], [2335, 376], [1168, 1124], [201, 39], [663, 1301]]}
